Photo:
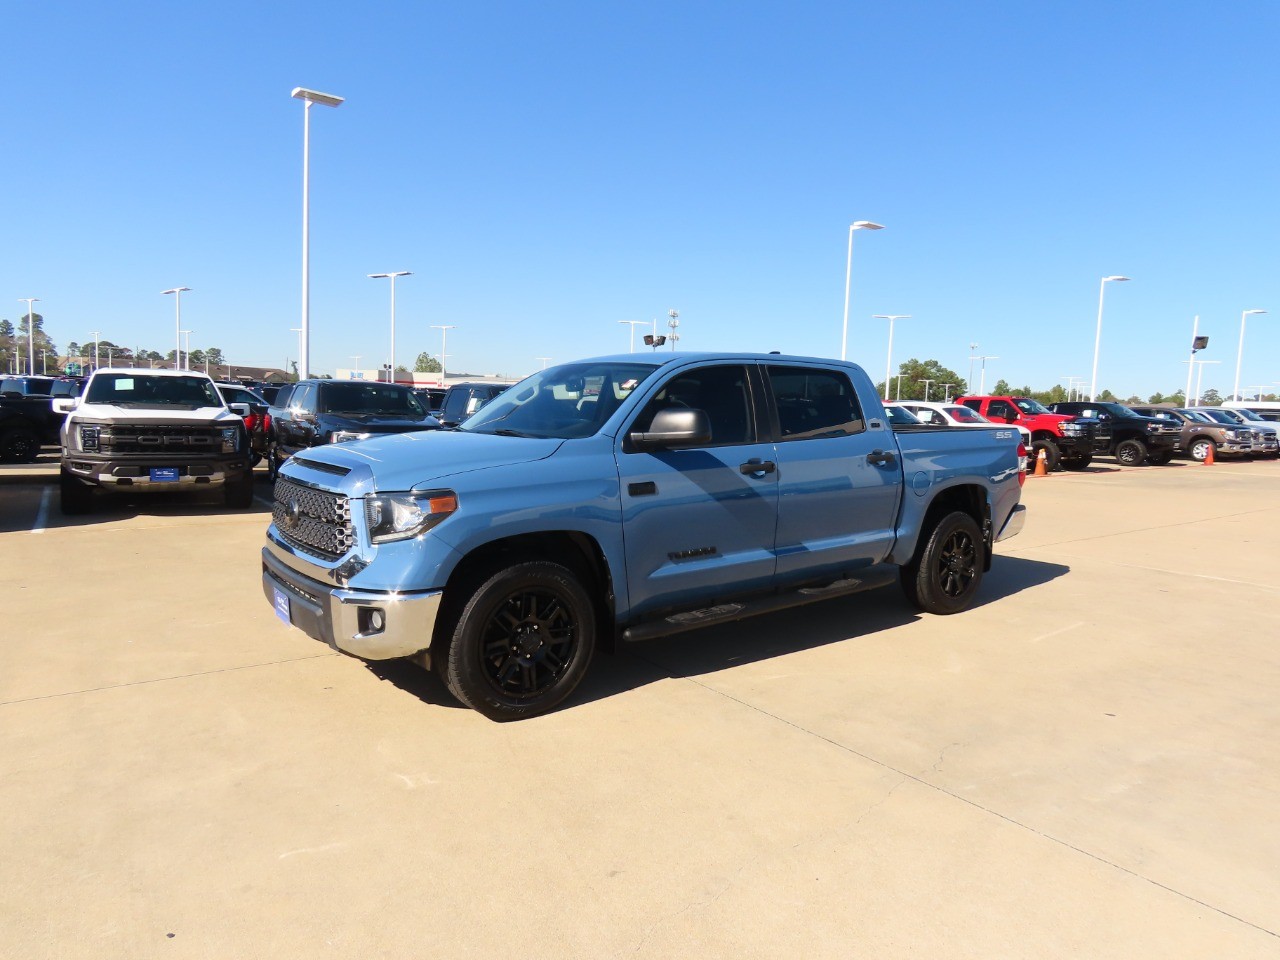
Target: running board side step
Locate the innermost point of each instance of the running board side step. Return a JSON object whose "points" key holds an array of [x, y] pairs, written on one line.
{"points": [[740, 610]]}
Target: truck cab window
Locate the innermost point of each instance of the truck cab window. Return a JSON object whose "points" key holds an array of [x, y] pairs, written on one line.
{"points": [[814, 403], [721, 392]]}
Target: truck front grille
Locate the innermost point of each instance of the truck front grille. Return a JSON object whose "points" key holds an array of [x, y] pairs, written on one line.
{"points": [[314, 521], [159, 439]]}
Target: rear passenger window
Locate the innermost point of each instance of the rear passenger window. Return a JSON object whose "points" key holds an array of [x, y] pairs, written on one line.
{"points": [[814, 403]]}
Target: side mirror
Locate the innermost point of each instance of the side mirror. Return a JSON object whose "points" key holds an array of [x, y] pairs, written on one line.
{"points": [[64, 404], [1010, 418], [674, 428], [239, 409]]}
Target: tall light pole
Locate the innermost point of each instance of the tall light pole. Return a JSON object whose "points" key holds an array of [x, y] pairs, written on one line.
{"points": [[848, 273], [888, 360], [298, 331], [946, 391], [444, 344], [31, 332], [392, 277], [926, 383], [1195, 329], [308, 97], [1235, 391], [1071, 384], [1097, 340], [969, 383], [177, 326], [187, 334], [633, 324], [356, 358], [1199, 365], [96, 339], [982, 390], [545, 361]]}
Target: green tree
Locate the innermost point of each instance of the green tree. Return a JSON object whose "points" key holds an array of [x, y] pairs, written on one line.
{"points": [[1002, 388], [1211, 398], [214, 356], [914, 372], [426, 363]]}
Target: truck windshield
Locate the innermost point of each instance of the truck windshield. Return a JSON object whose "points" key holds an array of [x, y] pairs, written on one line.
{"points": [[1029, 406], [961, 414], [565, 402], [146, 390], [382, 399]]}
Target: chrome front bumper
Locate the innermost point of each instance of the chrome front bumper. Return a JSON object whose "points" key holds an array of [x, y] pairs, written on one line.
{"points": [[369, 624]]}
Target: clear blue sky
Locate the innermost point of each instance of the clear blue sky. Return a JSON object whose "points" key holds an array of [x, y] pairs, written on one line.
{"points": [[549, 169]]}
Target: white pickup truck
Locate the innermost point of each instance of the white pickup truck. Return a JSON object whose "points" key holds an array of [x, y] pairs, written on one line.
{"points": [[149, 430]]}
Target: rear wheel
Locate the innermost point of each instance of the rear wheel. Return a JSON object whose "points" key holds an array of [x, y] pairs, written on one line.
{"points": [[75, 497], [522, 642], [1200, 448], [945, 575], [1131, 453], [1076, 461], [19, 446]]}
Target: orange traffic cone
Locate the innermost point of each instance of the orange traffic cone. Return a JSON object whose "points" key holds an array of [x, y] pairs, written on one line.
{"points": [[1208, 456], [1042, 464]]}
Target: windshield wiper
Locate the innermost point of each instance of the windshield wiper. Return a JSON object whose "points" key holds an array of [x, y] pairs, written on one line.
{"points": [[507, 432]]}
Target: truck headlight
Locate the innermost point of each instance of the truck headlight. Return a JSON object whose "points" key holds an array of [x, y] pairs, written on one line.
{"points": [[401, 516], [230, 439], [89, 438], [1069, 429], [342, 436]]}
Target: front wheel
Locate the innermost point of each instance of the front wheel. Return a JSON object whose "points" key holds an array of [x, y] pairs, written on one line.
{"points": [[19, 446], [522, 642], [1160, 458], [75, 497], [945, 575], [1200, 448], [273, 464], [238, 493], [1131, 453]]}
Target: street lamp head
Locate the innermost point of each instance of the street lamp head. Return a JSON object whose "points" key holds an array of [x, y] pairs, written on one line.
{"points": [[383, 276], [891, 316], [866, 225], [1107, 279], [176, 290], [315, 96], [1251, 312]]}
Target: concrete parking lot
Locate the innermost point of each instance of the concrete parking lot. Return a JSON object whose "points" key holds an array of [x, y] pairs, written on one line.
{"points": [[1084, 765]]}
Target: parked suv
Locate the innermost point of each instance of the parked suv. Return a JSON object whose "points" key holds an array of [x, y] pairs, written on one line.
{"points": [[13, 387], [1067, 441], [1129, 437], [1266, 436], [1200, 434], [463, 399], [255, 424], [315, 412]]}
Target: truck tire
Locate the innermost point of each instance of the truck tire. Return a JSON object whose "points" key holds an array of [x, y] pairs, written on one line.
{"points": [[1052, 455], [19, 445], [1160, 457], [273, 464], [75, 498], [944, 576], [522, 642], [1131, 453], [238, 493], [1200, 448], [1076, 461]]}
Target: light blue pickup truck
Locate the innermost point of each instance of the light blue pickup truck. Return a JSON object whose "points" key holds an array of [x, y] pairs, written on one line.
{"points": [[624, 498]]}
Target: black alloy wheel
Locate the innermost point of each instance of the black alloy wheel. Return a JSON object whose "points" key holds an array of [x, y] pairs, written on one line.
{"points": [[1131, 453], [523, 641], [19, 446], [946, 572]]}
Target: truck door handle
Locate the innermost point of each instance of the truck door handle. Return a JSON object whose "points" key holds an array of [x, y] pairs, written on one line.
{"points": [[756, 465], [880, 458]]}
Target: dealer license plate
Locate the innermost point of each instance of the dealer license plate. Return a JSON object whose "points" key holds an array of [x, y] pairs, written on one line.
{"points": [[164, 474], [282, 605]]}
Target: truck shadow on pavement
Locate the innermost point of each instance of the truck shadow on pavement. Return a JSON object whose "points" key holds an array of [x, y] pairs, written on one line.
{"points": [[716, 648], [112, 508]]}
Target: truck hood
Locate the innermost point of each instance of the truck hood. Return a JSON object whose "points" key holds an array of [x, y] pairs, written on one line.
{"points": [[380, 422], [111, 411], [405, 461]]}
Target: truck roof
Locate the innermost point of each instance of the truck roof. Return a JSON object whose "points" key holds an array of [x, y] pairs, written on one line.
{"points": [[157, 372]]}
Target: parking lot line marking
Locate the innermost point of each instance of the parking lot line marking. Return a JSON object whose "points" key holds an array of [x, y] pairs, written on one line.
{"points": [[42, 515], [1054, 633], [991, 811], [181, 676]]}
